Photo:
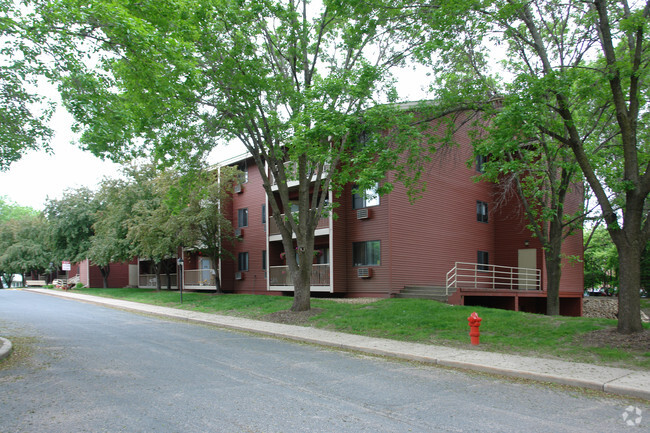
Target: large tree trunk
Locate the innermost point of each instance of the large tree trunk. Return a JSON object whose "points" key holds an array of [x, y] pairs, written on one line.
{"points": [[629, 299], [553, 275], [302, 287], [158, 272], [105, 270], [301, 273], [217, 280], [553, 257]]}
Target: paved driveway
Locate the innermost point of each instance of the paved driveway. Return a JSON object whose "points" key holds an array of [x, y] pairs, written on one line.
{"points": [[96, 369]]}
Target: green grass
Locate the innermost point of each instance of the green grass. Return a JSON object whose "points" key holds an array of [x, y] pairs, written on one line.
{"points": [[419, 321]]}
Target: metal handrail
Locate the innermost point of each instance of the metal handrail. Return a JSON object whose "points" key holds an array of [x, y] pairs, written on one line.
{"points": [[483, 276], [149, 280]]}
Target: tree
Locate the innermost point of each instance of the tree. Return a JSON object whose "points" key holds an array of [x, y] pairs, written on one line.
{"points": [[585, 64], [12, 216], [153, 231], [23, 113], [23, 244], [601, 260], [303, 87], [10, 210], [109, 243], [542, 174], [204, 225], [71, 221]]}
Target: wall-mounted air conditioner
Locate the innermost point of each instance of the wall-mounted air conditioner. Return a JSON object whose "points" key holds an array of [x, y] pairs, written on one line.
{"points": [[363, 214], [239, 233], [239, 188], [364, 272], [239, 275]]}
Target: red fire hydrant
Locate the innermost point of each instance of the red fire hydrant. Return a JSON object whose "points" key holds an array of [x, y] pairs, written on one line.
{"points": [[474, 323]]}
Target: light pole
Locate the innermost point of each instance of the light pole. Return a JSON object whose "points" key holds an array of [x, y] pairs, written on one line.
{"points": [[180, 276]]}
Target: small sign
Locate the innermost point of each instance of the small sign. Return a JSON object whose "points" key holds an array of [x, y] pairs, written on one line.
{"points": [[65, 266]]}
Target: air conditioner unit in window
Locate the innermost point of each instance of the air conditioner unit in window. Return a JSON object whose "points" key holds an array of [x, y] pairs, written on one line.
{"points": [[364, 272], [239, 188], [239, 275], [239, 233], [363, 214]]}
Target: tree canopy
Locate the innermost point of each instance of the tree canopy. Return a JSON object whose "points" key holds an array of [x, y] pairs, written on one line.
{"points": [[294, 81], [24, 113], [575, 73]]}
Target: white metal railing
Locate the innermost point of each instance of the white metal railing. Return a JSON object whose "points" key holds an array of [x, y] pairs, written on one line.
{"points": [[280, 275], [323, 223], [291, 172], [149, 280], [199, 277], [481, 276]]}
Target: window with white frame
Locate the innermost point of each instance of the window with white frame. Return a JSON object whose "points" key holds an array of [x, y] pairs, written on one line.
{"points": [[364, 198], [242, 176]]}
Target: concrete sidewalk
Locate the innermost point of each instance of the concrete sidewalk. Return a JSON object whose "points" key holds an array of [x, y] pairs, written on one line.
{"points": [[608, 379]]}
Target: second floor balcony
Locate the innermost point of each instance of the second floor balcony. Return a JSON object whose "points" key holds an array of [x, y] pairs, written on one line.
{"points": [[322, 227]]}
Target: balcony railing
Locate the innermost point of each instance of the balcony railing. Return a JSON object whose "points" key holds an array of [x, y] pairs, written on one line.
{"points": [[493, 277], [291, 171], [323, 223], [149, 280], [280, 276], [199, 277]]}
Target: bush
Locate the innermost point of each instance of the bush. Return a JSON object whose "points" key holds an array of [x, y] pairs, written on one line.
{"points": [[79, 286]]}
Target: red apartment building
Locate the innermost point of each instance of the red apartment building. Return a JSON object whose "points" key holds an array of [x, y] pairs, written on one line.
{"points": [[454, 241], [453, 244], [120, 275]]}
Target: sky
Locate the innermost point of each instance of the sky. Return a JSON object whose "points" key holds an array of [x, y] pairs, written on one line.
{"points": [[38, 175]]}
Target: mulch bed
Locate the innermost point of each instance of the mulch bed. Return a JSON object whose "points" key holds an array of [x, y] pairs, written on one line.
{"points": [[611, 338], [289, 317]]}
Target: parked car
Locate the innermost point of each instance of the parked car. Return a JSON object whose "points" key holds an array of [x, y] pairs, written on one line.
{"points": [[596, 291]]}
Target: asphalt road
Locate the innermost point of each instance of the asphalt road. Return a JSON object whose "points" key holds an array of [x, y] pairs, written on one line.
{"points": [[86, 368]]}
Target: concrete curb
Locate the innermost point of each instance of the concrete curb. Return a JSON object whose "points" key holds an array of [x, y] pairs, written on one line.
{"points": [[5, 348], [625, 382]]}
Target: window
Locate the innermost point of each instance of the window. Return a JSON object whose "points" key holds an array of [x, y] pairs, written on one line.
{"points": [[480, 160], [242, 262], [264, 214], [243, 172], [242, 217], [264, 259], [366, 253], [481, 211], [367, 198], [482, 260]]}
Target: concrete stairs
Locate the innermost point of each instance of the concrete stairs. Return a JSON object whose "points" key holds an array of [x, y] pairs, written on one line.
{"points": [[436, 293]]}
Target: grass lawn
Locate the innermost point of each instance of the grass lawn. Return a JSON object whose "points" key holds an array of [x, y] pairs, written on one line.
{"points": [[424, 321]]}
